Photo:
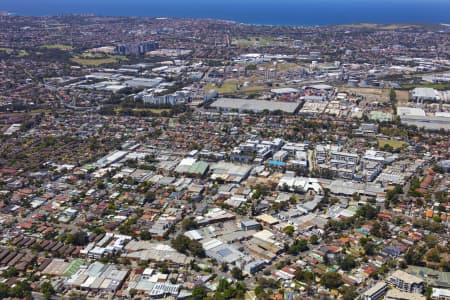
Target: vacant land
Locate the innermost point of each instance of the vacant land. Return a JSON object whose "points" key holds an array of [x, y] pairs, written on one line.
{"points": [[393, 143], [287, 66], [402, 96], [371, 94]]}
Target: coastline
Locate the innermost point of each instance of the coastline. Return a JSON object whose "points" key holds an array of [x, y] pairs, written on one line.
{"points": [[283, 13]]}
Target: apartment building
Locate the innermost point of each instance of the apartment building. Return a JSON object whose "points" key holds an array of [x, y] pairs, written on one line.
{"points": [[406, 282]]}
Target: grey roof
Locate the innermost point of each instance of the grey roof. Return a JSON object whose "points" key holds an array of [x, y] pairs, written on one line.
{"points": [[284, 91], [225, 253], [376, 288], [249, 222], [426, 93], [254, 105], [427, 122]]}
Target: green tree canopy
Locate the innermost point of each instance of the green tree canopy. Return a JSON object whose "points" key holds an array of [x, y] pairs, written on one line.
{"points": [[331, 280]]}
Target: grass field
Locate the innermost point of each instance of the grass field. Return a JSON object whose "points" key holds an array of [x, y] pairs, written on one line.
{"points": [[393, 143], [21, 53], [228, 87], [7, 50], [153, 110], [57, 46], [92, 60], [74, 266], [254, 88], [253, 42], [157, 111]]}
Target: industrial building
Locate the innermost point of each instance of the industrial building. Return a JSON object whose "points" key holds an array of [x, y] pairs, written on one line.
{"points": [[98, 277], [230, 172], [418, 117], [421, 95]]}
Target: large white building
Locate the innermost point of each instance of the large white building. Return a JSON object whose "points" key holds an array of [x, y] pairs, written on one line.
{"points": [[170, 99], [376, 292], [422, 95]]}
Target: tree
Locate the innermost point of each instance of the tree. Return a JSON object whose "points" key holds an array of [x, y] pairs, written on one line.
{"points": [[433, 255], [369, 248], [289, 230], [237, 273], [184, 244], [376, 229], [414, 255], [10, 272], [428, 291], [79, 238], [298, 246], [349, 293], [367, 211], [392, 95], [188, 223], [226, 290], [260, 293], [347, 263], [304, 276], [196, 248], [149, 197], [4, 291], [314, 239], [199, 293], [256, 194], [21, 289], [145, 235], [331, 280], [224, 267], [47, 289]]}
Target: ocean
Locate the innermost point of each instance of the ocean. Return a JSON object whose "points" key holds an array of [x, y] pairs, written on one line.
{"points": [[267, 12]]}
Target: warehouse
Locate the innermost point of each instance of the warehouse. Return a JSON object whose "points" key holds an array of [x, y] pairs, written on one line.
{"points": [[230, 172], [221, 252], [421, 95], [284, 91], [243, 105], [98, 276]]}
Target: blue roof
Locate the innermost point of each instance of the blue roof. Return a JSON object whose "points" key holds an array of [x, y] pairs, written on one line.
{"points": [[276, 163], [391, 250]]}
